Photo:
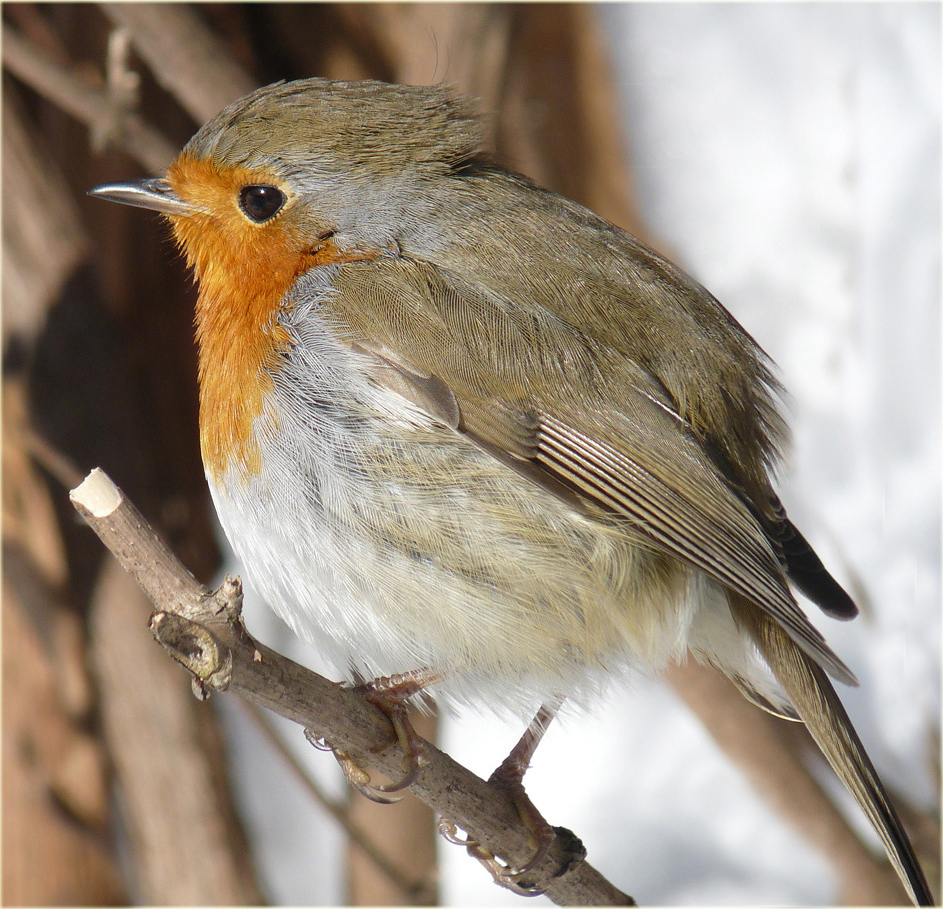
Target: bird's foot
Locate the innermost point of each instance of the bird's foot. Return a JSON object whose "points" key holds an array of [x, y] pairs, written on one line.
{"points": [[506, 876], [390, 694], [509, 779]]}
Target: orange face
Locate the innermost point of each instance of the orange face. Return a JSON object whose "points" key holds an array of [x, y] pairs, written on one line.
{"points": [[244, 270]]}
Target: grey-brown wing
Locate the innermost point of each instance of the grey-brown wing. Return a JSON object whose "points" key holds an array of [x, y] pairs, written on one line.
{"points": [[574, 415]]}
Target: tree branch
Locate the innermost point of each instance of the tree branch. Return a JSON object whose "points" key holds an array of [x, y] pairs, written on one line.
{"points": [[415, 891], [185, 56], [203, 631], [90, 105]]}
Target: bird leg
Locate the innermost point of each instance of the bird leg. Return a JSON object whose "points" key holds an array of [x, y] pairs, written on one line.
{"points": [[509, 779], [389, 694]]}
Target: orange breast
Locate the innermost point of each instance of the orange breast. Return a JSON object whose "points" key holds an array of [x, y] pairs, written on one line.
{"points": [[244, 272]]}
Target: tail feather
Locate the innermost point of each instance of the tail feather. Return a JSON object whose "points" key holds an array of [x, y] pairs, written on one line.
{"points": [[818, 705], [806, 571]]}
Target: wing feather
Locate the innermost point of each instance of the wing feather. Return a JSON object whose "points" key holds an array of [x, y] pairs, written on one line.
{"points": [[571, 413]]}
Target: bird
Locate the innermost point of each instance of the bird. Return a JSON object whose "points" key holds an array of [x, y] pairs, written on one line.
{"points": [[466, 435]]}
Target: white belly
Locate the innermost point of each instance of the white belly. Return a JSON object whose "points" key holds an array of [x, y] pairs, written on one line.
{"points": [[392, 543]]}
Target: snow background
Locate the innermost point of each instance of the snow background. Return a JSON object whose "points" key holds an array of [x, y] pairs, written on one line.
{"points": [[788, 155]]}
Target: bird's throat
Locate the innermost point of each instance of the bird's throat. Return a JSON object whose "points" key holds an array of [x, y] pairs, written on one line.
{"points": [[244, 274], [240, 346]]}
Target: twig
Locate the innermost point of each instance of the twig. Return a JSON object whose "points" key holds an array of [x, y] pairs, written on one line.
{"points": [[186, 58], [412, 889], [85, 103], [203, 631], [54, 461]]}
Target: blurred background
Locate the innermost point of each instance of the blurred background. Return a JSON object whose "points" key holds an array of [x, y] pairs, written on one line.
{"points": [[787, 155]]}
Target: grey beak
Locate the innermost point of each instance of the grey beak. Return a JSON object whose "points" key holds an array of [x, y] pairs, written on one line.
{"points": [[154, 193]]}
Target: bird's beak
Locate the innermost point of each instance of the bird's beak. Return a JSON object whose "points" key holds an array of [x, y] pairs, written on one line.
{"points": [[155, 193]]}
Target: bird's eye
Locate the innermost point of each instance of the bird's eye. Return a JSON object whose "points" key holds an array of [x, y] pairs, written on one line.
{"points": [[260, 202]]}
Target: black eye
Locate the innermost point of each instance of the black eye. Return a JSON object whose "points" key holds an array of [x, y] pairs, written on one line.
{"points": [[260, 202]]}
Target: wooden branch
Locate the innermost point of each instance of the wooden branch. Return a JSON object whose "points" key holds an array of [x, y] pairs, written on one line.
{"points": [[186, 58], [185, 846], [90, 105], [203, 631], [414, 891]]}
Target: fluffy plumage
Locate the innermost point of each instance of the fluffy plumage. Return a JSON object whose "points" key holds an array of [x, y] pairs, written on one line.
{"points": [[452, 420]]}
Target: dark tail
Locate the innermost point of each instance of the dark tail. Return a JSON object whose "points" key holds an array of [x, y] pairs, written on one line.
{"points": [[806, 571], [818, 705]]}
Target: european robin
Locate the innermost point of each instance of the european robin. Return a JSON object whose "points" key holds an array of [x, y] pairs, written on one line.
{"points": [[462, 430]]}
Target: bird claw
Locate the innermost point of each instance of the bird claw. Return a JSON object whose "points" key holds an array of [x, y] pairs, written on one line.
{"points": [[318, 741], [509, 779], [392, 701], [544, 838], [505, 876], [449, 832], [512, 878], [357, 776], [501, 873], [390, 696], [360, 780]]}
